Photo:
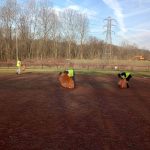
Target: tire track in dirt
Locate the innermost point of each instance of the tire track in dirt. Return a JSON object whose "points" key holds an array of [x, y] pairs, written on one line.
{"points": [[124, 122], [31, 124], [114, 139], [94, 116], [81, 132]]}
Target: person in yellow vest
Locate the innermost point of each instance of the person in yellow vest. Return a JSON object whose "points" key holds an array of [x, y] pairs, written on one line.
{"points": [[126, 76], [18, 65], [71, 73]]}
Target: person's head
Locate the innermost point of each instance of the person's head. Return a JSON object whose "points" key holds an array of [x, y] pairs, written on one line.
{"points": [[60, 73], [66, 72]]}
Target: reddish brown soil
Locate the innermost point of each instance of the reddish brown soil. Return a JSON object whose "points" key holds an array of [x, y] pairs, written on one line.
{"points": [[37, 114]]}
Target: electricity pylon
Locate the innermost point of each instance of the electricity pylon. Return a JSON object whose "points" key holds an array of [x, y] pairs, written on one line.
{"points": [[107, 51]]}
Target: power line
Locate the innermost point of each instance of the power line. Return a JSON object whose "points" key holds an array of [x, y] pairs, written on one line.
{"points": [[107, 51]]}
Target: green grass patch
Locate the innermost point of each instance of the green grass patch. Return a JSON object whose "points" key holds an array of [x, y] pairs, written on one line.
{"points": [[142, 74], [97, 72]]}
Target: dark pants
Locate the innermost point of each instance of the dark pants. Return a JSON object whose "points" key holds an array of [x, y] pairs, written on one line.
{"points": [[73, 78], [129, 77]]}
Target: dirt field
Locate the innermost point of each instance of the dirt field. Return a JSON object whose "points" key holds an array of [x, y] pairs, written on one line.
{"points": [[37, 114]]}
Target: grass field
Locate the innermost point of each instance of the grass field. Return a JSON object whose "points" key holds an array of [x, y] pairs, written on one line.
{"points": [[12, 70]]}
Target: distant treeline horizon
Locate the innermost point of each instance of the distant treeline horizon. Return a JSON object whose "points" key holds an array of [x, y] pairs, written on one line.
{"points": [[39, 33]]}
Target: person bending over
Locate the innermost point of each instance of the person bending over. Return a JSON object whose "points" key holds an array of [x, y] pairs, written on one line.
{"points": [[125, 75]]}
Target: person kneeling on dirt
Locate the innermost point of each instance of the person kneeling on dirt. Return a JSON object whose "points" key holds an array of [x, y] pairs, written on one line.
{"points": [[66, 79], [125, 76], [71, 73]]}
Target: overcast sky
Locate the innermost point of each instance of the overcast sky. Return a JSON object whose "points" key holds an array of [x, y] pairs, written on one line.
{"points": [[132, 16]]}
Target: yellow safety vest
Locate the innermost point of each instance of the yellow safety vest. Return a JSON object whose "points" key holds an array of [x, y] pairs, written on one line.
{"points": [[18, 63], [127, 74], [70, 72]]}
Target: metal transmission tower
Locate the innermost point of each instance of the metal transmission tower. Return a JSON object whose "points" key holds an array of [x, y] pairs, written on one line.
{"points": [[107, 51]]}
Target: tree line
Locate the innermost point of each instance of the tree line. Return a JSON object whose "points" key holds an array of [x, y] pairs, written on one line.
{"points": [[37, 31]]}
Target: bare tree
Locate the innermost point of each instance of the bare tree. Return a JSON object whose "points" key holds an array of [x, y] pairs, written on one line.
{"points": [[82, 29], [94, 48], [23, 36], [36, 31], [32, 12], [69, 27], [45, 26], [55, 32], [8, 17]]}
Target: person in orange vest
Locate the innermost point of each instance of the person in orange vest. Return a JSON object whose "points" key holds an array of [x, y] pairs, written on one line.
{"points": [[125, 75]]}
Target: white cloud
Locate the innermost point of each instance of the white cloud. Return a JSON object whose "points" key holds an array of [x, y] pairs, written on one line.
{"points": [[91, 14], [139, 30], [138, 12], [74, 7], [113, 4], [142, 39], [140, 34]]}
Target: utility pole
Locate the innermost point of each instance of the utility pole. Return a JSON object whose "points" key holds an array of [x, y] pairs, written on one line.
{"points": [[107, 51]]}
